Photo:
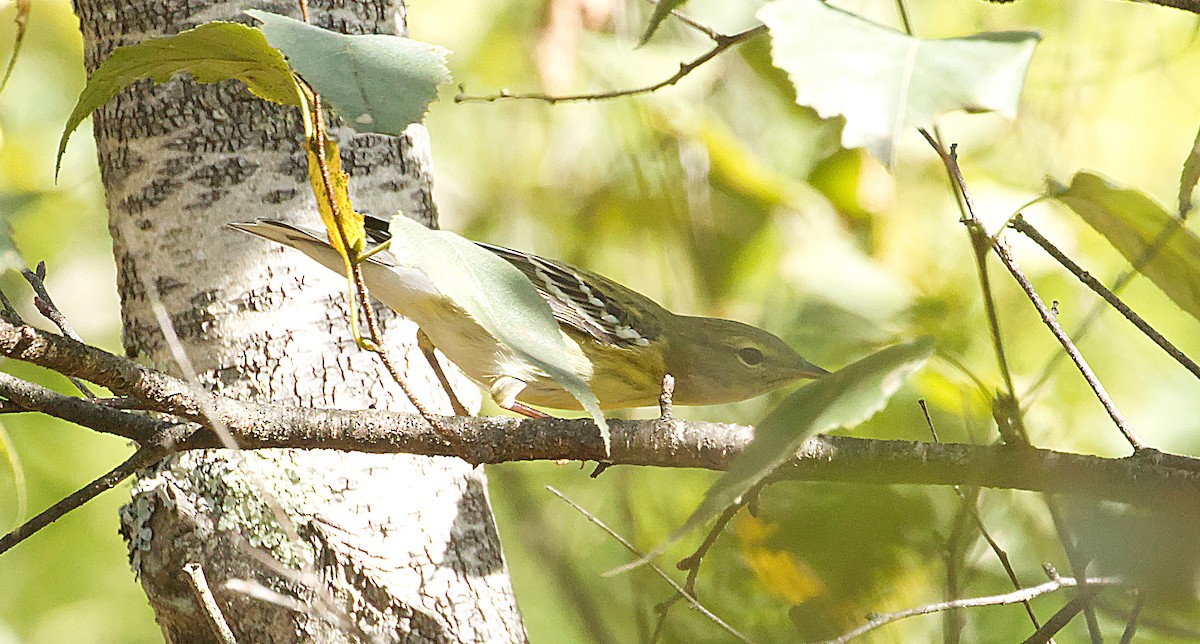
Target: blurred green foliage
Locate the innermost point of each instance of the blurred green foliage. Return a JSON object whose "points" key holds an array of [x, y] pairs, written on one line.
{"points": [[718, 196]]}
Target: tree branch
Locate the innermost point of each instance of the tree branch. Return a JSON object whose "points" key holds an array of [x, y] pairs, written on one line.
{"points": [[1148, 477]]}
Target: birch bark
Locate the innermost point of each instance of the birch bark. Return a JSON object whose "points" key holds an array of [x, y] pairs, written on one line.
{"points": [[373, 547]]}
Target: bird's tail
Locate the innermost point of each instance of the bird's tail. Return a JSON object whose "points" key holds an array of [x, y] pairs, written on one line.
{"points": [[397, 284], [306, 240]]}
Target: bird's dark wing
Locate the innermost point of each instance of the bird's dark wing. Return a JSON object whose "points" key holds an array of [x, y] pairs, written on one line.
{"points": [[584, 300], [579, 299]]}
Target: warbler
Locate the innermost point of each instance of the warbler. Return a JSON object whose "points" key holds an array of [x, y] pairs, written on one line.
{"points": [[622, 343]]}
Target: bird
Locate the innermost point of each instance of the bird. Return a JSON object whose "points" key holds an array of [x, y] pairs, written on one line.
{"points": [[621, 342]]}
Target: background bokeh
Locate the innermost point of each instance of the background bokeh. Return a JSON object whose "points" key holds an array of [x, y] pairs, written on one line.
{"points": [[718, 196]]}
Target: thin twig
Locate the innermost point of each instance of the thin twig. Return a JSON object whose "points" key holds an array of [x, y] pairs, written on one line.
{"points": [[360, 285], [1189, 178], [1081, 330], [545, 535], [1048, 318], [629, 498], [1015, 597], [1075, 559], [1132, 623], [1007, 409], [950, 160], [661, 573], [7, 311], [1032, 233], [692, 562], [957, 542], [723, 42], [87, 412], [45, 305], [1060, 619], [143, 457], [969, 505], [427, 348], [212, 612], [904, 19], [385, 358], [980, 242]]}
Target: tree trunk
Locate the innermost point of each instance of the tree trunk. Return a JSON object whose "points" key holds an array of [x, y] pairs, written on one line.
{"points": [[320, 546]]}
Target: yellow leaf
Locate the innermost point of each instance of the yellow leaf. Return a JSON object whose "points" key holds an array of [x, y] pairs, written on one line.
{"points": [[779, 570], [337, 214]]}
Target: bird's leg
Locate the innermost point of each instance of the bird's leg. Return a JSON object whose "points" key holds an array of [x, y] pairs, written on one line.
{"points": [[505, 390], [526, 410], [426, 346]]}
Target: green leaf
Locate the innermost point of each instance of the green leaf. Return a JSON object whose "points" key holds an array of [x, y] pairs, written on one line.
{"points": [[212, 52], [20, 483], [843, 399], [378, 83], [1133, 223], [883, 81], [500, 298], [1189, 178], [661, 11], [22, 20]]}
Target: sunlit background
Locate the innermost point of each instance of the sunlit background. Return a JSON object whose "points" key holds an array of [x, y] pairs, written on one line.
{"points": [[718, 196]]}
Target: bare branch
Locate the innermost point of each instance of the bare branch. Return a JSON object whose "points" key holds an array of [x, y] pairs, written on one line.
{"points": [[216, 621], [1027, 229], [691, 600], [1060, 619], [712, 34], [27, 396], [723, 43], [144, 457], [980, 243], [1049, 319], [1132, 623], [1148, 477], [1014, 597], [967, 504], [692, 562], [1077, 560], [45, 305]]}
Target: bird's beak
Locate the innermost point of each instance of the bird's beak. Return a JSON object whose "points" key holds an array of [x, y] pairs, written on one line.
{"points": [[807, 369]]}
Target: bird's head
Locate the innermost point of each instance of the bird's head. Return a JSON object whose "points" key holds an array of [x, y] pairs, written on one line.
{"points": [[717, 361]]}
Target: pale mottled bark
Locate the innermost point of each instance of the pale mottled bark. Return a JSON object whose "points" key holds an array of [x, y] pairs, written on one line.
{"points": [[393, 546]]}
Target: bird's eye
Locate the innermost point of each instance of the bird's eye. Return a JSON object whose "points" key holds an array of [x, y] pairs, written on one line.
{"points": [[750, 356]]}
